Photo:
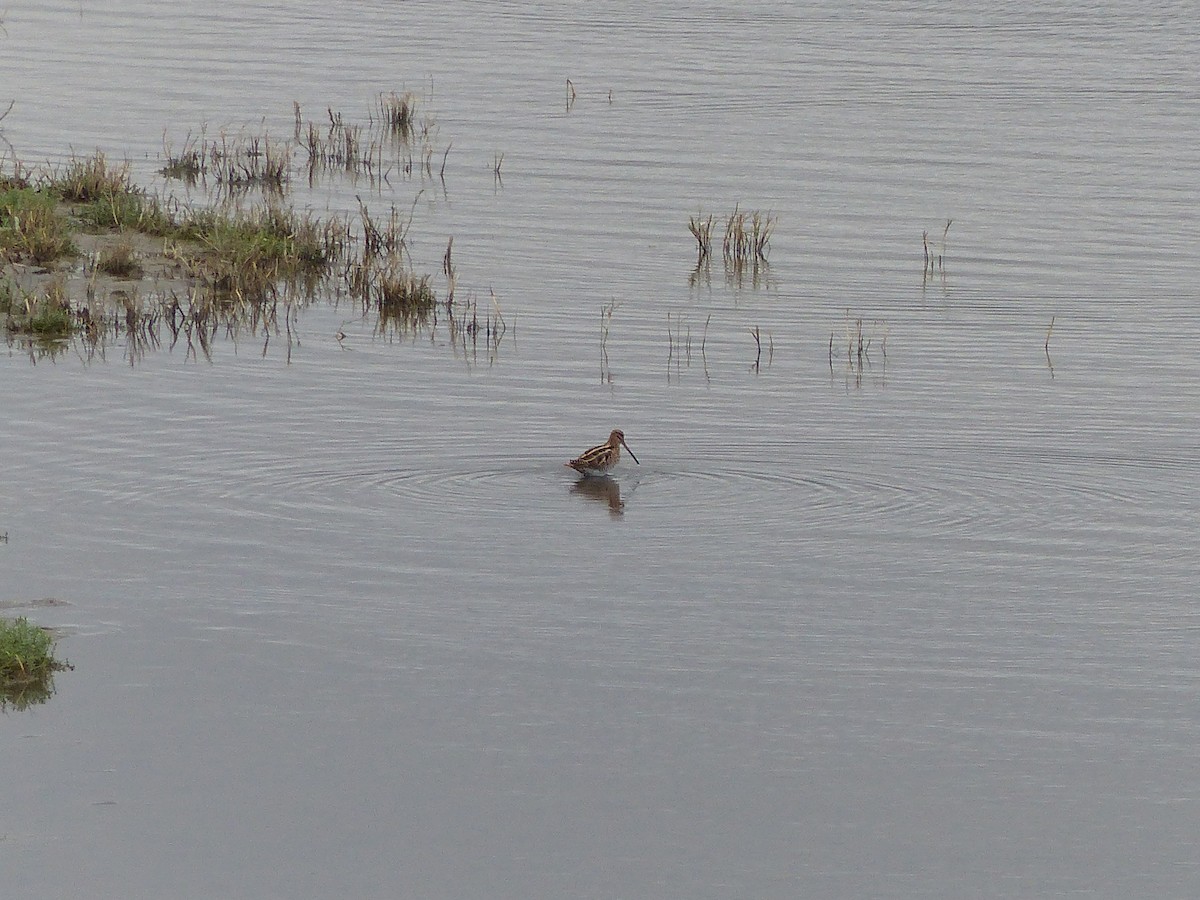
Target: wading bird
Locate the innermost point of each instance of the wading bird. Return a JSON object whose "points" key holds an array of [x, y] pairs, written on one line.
{"points": [[602, 458]]}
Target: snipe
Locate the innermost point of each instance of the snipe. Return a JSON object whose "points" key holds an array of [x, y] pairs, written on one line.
{"points": [[603, 457]]}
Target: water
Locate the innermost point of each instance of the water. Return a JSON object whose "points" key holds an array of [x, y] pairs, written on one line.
{"points": [[917, 629]]}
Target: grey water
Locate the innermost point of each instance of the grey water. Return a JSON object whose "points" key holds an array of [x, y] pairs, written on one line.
{"points": [[920, 624]]}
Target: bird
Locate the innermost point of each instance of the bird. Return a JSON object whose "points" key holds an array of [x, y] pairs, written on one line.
{"points": [[603, 457]]}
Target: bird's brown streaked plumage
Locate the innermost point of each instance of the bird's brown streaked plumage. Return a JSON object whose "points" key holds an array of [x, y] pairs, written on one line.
{"points": [[603, 457]]}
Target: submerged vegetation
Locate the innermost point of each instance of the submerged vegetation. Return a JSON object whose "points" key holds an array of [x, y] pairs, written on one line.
{"points": [[27, 664]]}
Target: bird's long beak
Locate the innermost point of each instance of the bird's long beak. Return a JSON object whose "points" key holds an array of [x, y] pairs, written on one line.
{"points": [[626, 446]]}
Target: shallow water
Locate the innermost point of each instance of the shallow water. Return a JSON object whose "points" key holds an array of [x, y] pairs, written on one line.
{"points": [[341, 620]]}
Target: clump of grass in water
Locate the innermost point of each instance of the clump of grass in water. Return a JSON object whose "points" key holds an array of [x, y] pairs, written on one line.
{"points": [[343, 148], [26, 652], [120, 261], [27, 664], [859, 340], [747, 237], [398, 113], [45, 315], [248, 161], [746, 242], [403, 297], [932, 262], [103, 196], [190, 165], [701, 229], [247, 253], [379, 278]]}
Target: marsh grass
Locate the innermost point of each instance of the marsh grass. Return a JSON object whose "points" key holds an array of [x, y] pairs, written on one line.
{"points": [[27, 664], [469, 326], [859, 337], [43, 314], [246, 253], [935, 262], [20, 177], [32, 228], [131, 211], [607, 311], [398, 112], [50, 311], [26, 652], [190, 164], [90, 178], [402, 294], [747, 237], [231, 267], [237, 162], [756, 333], [384, 237], [348, 149], [251, 160], [701, 229], [395, 138], [120, 261], [745, 244]]}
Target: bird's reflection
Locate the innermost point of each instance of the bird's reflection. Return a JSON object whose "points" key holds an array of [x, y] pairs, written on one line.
{"points": [[602, 488]]}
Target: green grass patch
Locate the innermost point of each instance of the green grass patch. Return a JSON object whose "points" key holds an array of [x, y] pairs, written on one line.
{"points": [[126, 212], [26, 652], [83, 180], [44, 314], [32, 228], [27, 664]]}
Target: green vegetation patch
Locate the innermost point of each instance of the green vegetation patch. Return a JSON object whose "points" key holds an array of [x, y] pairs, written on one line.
{"points": [[90, 178], [26, 653], [44, 314], [32, 228]]}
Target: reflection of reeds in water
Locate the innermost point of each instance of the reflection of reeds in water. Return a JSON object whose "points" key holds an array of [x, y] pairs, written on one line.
{"points": [[190, 164], [394, 139], [758, 349], [398, 112], [344, 149], [467, 327], [934, 262], [384, 237], [1046, 346], [194, 320], [606, 314], [679, 344], [679, 340], [744, 246], [236, 163], [859, 337]]}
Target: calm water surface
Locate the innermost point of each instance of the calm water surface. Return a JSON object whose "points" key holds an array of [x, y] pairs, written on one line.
{"points": [[344, 625]]}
